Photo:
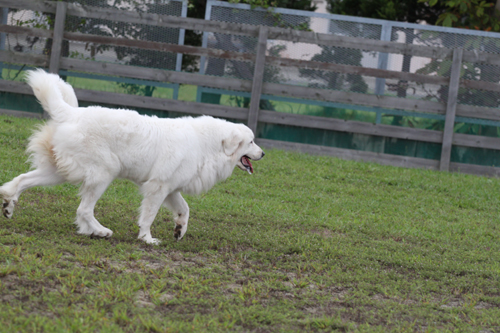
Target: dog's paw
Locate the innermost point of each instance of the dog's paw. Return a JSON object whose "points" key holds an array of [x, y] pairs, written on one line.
{"points": [[179, 232], [95, 233], [150, 240], [8, 208], [154, 241], [103, 233]]}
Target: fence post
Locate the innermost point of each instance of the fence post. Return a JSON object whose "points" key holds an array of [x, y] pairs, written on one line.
{"points": [[258, 79], [383, 59], [5, 14], [57, 39], [451, 107]]}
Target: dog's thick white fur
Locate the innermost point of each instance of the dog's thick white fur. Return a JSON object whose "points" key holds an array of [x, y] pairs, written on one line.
{"points": [[93, 146]]}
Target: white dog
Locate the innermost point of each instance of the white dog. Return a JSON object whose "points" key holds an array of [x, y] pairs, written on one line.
{"points": [[93, 146]]}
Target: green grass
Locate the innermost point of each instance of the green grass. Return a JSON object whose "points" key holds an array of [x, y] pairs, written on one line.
{"points": [[307, 243]]}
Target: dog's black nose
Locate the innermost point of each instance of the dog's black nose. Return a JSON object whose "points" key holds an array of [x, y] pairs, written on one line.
{"points": [[263, 154]]}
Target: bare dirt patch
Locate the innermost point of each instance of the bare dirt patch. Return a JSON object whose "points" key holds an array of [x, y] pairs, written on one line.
{"points": [[143, 300]]}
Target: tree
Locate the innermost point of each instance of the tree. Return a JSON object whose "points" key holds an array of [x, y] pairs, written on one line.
{"points": [[468, 14], [244, 70], [47, 20], [333, 80], [112, 29], [196, 9], [478, 15], [411, 11]]}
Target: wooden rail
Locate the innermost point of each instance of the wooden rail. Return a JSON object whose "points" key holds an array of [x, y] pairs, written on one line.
{"points": [[257, 86]]}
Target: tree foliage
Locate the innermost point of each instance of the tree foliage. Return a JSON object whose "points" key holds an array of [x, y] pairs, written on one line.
{"points": [[196, 9], [333, 80], [412, 11], [468, 14], [291, 4], [244, 70]]}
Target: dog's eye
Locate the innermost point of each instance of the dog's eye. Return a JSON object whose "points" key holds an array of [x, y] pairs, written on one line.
{"points": [[251, 142]]}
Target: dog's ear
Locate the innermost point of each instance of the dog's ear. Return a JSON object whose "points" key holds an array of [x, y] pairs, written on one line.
{"points": [[232, 142]]}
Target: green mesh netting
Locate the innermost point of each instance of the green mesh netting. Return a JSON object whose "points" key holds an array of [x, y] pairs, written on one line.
{"points": [[402, 147]]}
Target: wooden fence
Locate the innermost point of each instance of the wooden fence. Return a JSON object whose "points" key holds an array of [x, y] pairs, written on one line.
{"points": [[257, 87]]}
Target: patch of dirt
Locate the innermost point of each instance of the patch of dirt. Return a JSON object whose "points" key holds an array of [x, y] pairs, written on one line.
{"points": [[12, 281], [456, 303], [143, 300], [170, 261], [279, 294], [338, 292], [165, 298], [450, 304], [11, 284], [199, 260], [176, 256], [152, 264], [234, 287], [380, 297], [67, 255], [138, 266], [483, 305], [324, 233], [408, 301]]}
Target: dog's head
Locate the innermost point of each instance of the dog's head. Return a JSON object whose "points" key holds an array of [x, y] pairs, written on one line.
{"points": [[240, 146]]}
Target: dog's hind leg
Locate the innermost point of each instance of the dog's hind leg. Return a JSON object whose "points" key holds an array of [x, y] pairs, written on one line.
{"points": [[85, 220], [176, 203], [10, 192], [154, 195]]}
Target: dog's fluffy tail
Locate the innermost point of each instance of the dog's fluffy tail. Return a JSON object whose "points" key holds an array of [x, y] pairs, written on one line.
{"points": [[57, 97]]}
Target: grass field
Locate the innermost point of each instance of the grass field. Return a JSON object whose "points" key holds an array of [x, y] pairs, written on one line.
{"points": [[305, 244]]}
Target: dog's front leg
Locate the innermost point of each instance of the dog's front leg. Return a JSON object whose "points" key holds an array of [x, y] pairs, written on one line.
{"points": [[179, 207], [154, 195]]}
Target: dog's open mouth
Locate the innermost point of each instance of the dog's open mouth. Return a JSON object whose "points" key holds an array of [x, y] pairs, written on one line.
{"points": [[245, 161]]}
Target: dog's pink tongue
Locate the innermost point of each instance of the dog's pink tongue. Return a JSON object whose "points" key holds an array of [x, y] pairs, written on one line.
{"points": [[248, 164]]}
